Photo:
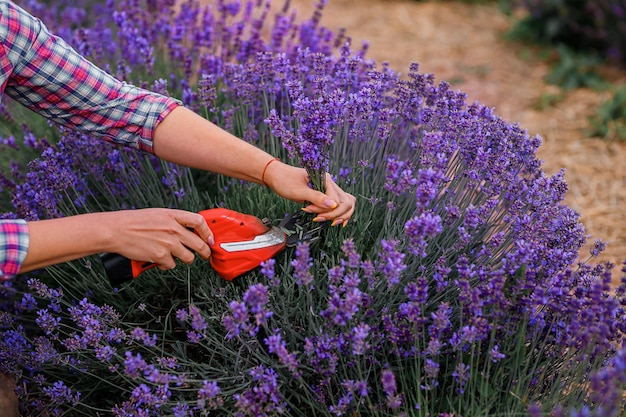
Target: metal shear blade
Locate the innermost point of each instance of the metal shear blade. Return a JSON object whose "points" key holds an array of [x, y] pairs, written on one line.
{"points": [[299, 228]]}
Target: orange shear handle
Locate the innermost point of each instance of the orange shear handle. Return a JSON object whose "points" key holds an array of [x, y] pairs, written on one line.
{"points": [[230, 228]]}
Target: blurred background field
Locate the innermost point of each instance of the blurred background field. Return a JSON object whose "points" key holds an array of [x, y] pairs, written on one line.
{"points": [[548, 90]]}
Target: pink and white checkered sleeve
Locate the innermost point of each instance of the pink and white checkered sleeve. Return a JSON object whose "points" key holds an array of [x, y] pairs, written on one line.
{"points": [[48, 76], [14, 240]]}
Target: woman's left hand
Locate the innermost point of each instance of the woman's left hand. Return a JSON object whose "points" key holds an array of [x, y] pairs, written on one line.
{"points": [[292, 183]]}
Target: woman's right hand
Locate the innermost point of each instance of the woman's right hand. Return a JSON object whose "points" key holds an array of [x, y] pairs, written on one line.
{"points": [[160, 236], [156, 235]]}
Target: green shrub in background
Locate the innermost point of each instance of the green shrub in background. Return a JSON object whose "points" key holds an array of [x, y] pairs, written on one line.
{"points": [[596, 26], [610, 120], [585, 35], [576, 70]]}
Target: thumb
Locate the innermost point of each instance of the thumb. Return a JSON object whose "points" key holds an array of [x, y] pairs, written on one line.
{"points": [[320, 201]]}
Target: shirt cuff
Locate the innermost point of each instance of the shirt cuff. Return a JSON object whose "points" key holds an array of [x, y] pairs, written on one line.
{"points": [[158, 108], [14, 240]]}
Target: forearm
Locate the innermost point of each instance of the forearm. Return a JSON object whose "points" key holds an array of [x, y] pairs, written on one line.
{"points": [[65, 239], [44, 73], [188, 139], [156, 235]]}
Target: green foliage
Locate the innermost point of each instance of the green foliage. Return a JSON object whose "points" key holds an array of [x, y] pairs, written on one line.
{"points": [[548, 100], [610, 120], [576, 70], [590, 26]]}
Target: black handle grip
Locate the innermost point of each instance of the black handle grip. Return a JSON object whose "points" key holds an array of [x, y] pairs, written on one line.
{"points": [[118, 268]]}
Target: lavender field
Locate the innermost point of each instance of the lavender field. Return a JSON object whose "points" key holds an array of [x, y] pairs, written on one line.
{"points": [[456, 290]]}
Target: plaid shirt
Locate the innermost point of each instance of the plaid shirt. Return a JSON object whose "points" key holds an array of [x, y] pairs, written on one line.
{"points": [[43, 73], [13, 246]]}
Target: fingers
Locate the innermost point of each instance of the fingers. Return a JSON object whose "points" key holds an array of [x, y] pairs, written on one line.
{"points": [[192, 242], [161, 236], [196, 222], [340, 215], [293, 183], [336, 205]]}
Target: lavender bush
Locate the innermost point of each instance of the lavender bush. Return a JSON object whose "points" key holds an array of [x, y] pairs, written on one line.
{"points": [[455, 290]]}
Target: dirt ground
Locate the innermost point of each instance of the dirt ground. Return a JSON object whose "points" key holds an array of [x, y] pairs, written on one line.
{"points": [[465, 45]]}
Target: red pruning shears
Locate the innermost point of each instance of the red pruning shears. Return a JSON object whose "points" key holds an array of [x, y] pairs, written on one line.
{"points": [[242, 243]]}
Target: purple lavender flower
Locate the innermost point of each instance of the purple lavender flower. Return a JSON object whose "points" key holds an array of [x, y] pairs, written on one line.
{"points": [[248, 315], [345, 296], [139, 334], [240, 311], [209, 395], [461, 375], [43, 290], [353, 258], [238, 321], [256, 298], [322, 352], [360, 335], [319, 113], [388, 380], [268, 270], [430, 379], [198, 323], [598, 247], [391, 264], [181, 410], [47, 322], [302, 264], [60, 393], [134, 365], [263, 398], [104, 353], [182, 315], [399, 176], [143, 397], [277, 346], [495, 354]]}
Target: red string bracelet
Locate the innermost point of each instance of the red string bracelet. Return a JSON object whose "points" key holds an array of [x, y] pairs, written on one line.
{"points": [[265, 169]]}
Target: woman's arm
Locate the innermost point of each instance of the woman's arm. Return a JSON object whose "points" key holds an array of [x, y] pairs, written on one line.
{"points": [[72, 91], [152, 235], [188, 139], [45, 74]]}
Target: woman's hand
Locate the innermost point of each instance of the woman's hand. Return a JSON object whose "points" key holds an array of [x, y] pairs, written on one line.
{"points": [[161, 236], [155, 235], [208, 147], [293, 183]]}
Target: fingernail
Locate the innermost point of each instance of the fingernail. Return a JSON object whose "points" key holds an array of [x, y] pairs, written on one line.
{"points": [[336, 222], [319, 219], [345, 223], [211, 241], [306, 210], [330, 203]]}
